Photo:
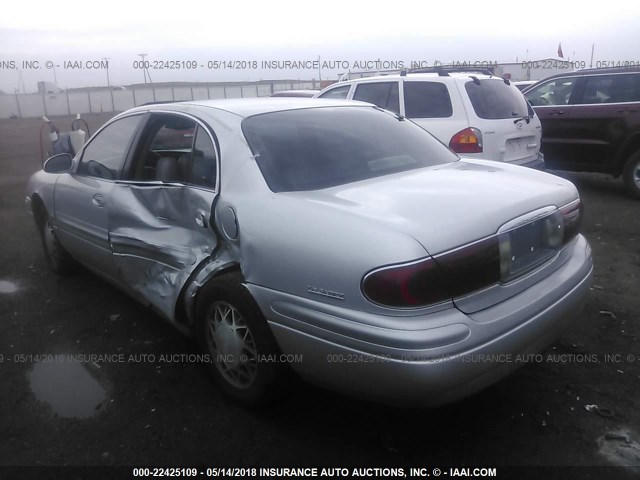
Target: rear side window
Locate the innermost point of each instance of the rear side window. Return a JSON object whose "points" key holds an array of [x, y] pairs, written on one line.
{"points": [[164, 135], [384, 94], [339, 92], [315, 148], [202, 170], [611, 89], [427, 100], [494, 99], [555, 92], [171, 139]]}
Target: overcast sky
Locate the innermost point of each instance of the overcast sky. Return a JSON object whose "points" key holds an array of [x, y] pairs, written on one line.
{"points": [[461, 30]]}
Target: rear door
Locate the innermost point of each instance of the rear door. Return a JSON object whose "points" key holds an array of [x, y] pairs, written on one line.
{"points": [[500, 112], [83, 198], [160, 217], [554, 102], [606, 109]]}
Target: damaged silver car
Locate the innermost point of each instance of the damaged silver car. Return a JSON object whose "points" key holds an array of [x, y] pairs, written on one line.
{"points": [[331, 237]]}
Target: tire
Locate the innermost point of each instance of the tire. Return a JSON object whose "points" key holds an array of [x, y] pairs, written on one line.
{"points": [[231, 329], [58, 258], [631, 175]]}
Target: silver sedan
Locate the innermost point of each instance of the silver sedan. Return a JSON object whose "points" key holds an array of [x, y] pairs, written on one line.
{"points": [[329, 237]]}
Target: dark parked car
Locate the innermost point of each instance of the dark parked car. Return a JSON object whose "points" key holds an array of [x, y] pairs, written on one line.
{"points": [[591, 121]]}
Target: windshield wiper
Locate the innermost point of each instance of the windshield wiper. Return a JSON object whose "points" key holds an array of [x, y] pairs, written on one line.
{"points": [[526, 118]]}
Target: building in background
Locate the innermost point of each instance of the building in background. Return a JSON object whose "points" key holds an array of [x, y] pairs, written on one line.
{"points": [[48, 87], [533, 69]]}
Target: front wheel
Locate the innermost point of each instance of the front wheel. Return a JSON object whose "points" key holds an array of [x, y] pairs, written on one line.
{"points": [[231, 330], [631, 175]]}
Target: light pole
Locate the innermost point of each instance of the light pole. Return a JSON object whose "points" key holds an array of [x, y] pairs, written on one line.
{"points": [[106, 59], [144, 66]]}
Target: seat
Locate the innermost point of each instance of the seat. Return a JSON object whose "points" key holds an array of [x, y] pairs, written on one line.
{"points": [[168, 170], [185, 164]]}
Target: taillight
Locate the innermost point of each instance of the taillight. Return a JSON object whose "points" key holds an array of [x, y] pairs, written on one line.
{"points": [[468, 140], [571, 219], [430, 281], [407, 285]]}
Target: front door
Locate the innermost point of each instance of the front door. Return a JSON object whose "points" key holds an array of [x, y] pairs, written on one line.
{"points": [[82, 198], [562, 137]]}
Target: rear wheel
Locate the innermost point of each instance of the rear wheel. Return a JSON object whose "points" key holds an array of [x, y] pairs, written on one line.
{"points": [[631, 175], [244, 356], [59, 259]]}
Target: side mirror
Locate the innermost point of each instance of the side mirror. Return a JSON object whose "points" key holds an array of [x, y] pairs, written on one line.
{"points": [[58, 163]]}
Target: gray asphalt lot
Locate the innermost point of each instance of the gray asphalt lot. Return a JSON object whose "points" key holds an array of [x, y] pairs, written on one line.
{"points": [[169, 413]]}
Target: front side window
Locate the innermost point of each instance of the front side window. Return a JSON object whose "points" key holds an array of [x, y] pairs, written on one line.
{"points": [[339, 92], [383, 94], [105, 155], [611, 89], [315, 148], [427, 100], [555, 92]]}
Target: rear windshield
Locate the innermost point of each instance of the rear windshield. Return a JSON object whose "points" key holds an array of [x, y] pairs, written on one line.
{"points": [[493, 99], [317, 148]]}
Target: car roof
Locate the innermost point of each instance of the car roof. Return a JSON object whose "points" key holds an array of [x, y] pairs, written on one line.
{"points": [[451, 76], [246, 107], [593, 71]]}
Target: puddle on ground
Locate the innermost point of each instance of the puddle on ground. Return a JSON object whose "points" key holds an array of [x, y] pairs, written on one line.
{"points": [[8, 287], [67, 387], [620, 448]]}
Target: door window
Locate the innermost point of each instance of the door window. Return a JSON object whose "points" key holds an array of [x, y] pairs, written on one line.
{"points": [[383, 94], [339, 92], [611, 89], [164, 151], [427, 100], [105, 155], [555, 92], [201, 170]]}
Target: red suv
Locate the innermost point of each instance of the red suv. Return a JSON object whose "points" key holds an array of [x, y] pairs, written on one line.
{"points": [[591, 121]]}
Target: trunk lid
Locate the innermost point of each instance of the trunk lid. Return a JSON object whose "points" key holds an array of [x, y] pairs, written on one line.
{"points": [[450, 205]]}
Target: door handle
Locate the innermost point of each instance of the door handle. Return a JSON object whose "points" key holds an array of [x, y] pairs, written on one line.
{"points": [[201, 218], [627, 110], [557, 112], [98, 200]]}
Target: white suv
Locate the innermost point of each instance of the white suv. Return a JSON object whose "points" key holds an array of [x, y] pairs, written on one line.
{"points": [[475, 114]]}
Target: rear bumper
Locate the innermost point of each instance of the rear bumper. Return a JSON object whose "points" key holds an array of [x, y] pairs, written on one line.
{"points": [[428, 359], [536, 162]]}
